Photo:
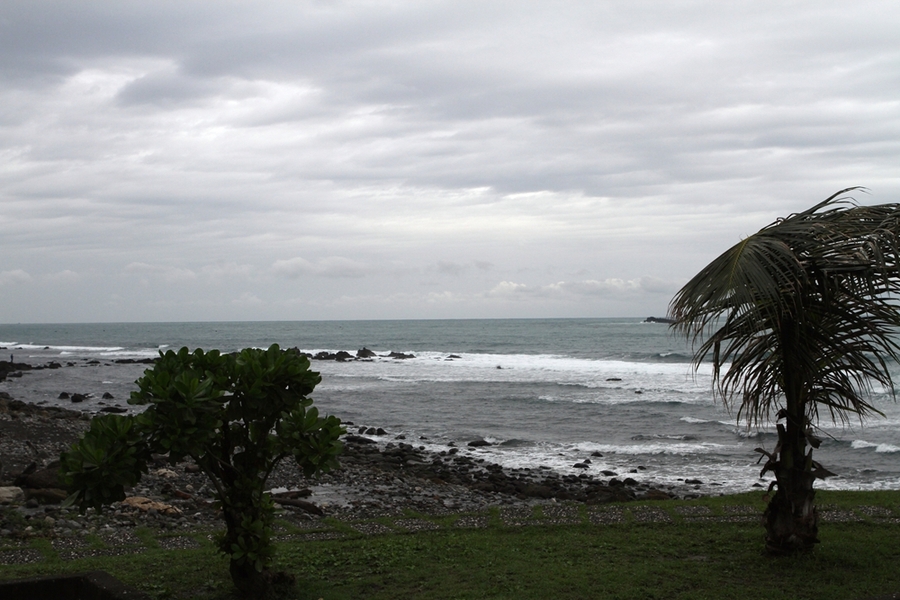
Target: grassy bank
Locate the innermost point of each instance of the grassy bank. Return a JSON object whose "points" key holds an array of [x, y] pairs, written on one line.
{"points": [[705, 548]]}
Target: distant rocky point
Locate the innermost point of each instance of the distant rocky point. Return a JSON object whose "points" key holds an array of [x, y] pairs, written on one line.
{"points": [[665, 320]]}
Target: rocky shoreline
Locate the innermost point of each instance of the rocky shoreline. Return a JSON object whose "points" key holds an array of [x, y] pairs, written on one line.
{"points": [[381, 475], [377, 478]]}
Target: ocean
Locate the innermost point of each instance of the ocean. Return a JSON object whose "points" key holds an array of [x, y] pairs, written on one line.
{"points": [[544, 392]]}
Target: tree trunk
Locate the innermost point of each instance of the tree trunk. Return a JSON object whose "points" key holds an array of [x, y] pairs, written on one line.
{"points": [[791, 521], [250, 582]]}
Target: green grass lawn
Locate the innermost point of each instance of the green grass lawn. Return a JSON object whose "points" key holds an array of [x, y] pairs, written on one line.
{"points": [[697, 551]]}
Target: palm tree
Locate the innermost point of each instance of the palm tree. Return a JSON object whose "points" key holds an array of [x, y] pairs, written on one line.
{"points": [[798, 319]]}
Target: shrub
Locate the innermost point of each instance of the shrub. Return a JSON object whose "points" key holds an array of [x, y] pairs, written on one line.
{"points": [[237, 416]]}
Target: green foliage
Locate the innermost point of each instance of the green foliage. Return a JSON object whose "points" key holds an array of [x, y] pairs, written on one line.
{"points": [[110, 457], [236, 415]]}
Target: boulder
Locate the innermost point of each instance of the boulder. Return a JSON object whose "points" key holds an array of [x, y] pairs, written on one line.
{"points": [[538, 491], [479, 443], [46, 495], [356, 439], [11, 494], [400, 355], [654, 494], [107, 396], [48, 477], [146, 505], [364, 353]]}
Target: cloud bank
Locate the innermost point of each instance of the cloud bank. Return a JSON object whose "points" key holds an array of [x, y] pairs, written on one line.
{"points": [[327, 160]]}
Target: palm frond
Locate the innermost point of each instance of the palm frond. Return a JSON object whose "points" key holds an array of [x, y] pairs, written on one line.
{"points": [[811, 298]]}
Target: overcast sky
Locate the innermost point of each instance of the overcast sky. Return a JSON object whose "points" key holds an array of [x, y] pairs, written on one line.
{"points": [[179, 161]]}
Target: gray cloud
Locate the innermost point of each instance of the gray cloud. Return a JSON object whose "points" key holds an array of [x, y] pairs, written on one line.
{"points": [[332, 266], [613, 149], [14, 276]]}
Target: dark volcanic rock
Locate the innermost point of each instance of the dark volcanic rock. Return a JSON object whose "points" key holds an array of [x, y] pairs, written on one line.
{"points": [[493, 480], [364, 353], [479, 443], [12, 369], [47, 477], [356, 439]]}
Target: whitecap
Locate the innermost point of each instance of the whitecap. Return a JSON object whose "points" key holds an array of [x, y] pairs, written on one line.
{"points": [[694, 420], [661, 448], [860, 444], [62, 349]]}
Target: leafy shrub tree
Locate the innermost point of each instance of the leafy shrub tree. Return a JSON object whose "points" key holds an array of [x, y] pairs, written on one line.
{"points": [[237, 416]]}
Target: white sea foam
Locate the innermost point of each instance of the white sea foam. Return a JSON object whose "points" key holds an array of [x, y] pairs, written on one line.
{"points": [[859, 444], [679, 448], [880, 448], [838, 483], [433, 367], [694, 420], [74, 348]]}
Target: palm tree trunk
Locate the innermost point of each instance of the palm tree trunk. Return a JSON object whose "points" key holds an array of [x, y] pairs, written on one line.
{"points": [[791, 520]]}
